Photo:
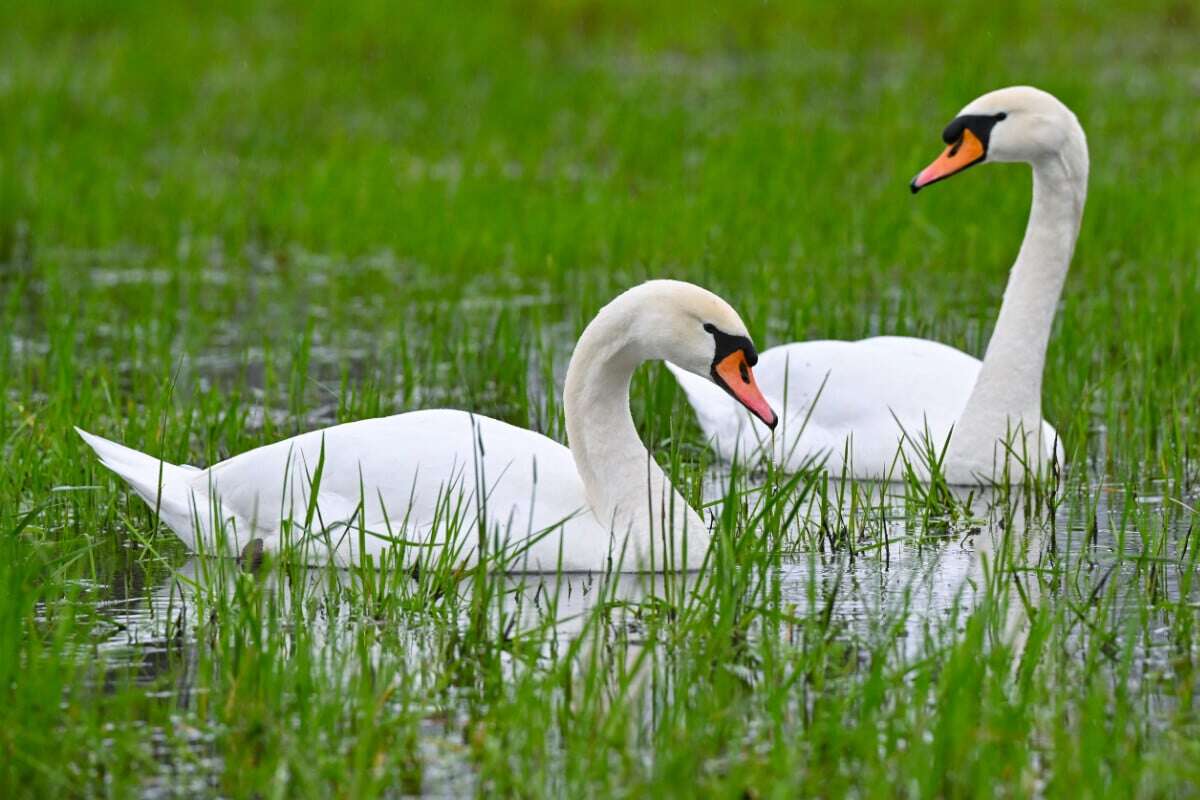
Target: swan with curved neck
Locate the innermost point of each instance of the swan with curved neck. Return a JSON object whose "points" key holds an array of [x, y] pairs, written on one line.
{"points": [[432, 480], [864, 408]]}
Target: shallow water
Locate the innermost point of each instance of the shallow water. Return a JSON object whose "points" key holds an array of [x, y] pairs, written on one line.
{"points": [[916, 590], [936, 572]]}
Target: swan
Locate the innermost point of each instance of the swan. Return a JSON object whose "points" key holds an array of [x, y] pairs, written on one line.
{"points": [[857, 406], [425, 477]]}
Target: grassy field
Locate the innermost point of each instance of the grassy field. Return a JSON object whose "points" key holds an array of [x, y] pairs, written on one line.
{"points": [[224, 223]]}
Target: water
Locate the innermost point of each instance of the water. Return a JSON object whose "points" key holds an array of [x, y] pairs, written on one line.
{"points": [[916, 590]]}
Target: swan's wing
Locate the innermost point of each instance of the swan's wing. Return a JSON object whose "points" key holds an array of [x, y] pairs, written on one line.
{"points": [[870, 394], [870, 380], [403, 475]]}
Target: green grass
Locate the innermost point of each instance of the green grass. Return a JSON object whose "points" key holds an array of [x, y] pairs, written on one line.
{"points": [[225, 223]]}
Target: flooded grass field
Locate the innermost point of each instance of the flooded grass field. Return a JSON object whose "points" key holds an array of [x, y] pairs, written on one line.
{"points": [[222, 226]]}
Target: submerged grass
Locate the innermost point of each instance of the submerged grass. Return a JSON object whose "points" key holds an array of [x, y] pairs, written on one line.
{"points": [[221, 226]]}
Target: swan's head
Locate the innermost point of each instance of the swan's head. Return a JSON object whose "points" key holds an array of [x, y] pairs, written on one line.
{"points": [[1019, 123], [695, 329]]}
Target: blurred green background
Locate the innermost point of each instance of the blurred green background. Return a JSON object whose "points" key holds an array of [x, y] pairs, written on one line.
{"points": [[247, 181]]}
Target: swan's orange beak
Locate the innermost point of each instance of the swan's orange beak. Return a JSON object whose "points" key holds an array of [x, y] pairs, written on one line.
{"points": [[733, 374], [966, 151]]}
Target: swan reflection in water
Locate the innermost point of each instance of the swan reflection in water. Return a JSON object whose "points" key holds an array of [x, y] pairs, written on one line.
{"points": [[907, 573]]}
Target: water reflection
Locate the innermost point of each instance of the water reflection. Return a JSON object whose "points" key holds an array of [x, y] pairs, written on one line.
{"points": [[893, 563], [877, 563], [916, 574], [900, 566]]}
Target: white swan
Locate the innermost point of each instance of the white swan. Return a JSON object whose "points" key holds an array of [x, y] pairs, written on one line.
{"points": [[889, 392], [428, 477]]}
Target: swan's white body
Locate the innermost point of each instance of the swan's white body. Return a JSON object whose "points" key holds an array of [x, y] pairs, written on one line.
{"points": [[889, 400], [436, 479], [870, 408], [415, 475]]}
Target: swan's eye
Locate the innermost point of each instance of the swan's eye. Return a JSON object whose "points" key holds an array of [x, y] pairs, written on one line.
{"points": [[708, 326]]}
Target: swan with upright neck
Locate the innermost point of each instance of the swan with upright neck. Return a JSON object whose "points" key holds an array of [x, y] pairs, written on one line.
{"points": [[435, 480], [871, 407]]}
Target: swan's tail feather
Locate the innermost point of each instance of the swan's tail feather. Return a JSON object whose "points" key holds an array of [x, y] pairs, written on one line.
{"points": [[720, 416], [165, 487]]}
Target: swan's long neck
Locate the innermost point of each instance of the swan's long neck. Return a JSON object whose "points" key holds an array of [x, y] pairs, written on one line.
{"points": [[1007, 397], [628, 492]]}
